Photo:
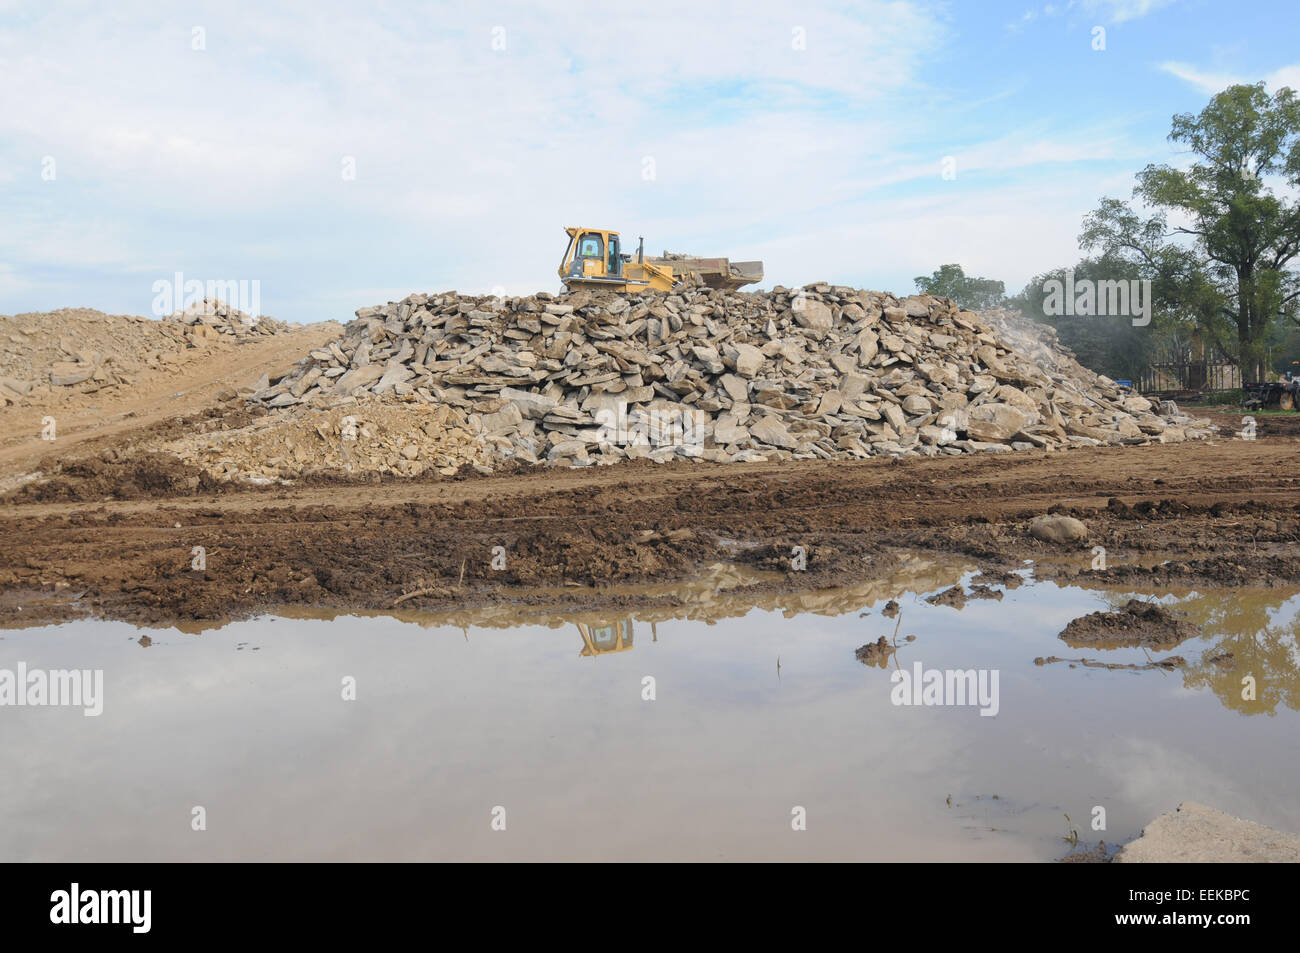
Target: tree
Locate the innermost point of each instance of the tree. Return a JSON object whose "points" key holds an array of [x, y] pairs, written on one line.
{"points": [[1228, 262], [950, 281], [1108, 344], [1287, 354]]}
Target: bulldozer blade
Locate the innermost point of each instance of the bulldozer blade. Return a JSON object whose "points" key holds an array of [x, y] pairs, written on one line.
{"points": [[714, 272]]}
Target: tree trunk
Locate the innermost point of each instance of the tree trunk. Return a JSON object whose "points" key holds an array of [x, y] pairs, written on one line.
{"points": [[1248, 334]]}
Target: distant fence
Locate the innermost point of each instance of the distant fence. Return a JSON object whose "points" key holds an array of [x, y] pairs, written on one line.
{"points": [[1204, 376]]}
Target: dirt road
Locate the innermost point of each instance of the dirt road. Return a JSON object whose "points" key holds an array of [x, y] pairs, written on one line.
{"points": [[1219, 513]]}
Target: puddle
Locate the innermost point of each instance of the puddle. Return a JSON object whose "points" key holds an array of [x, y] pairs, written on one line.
{"points": [[761, 714]]}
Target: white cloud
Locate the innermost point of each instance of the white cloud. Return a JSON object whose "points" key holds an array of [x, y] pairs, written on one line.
{"points": [[227, 162], [1286, 76], [1206, 81], [1107, 11], [1121, 11], [1215, 81]]}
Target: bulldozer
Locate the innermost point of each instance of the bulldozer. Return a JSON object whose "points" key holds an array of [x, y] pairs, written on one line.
{"points": [[595, 260]]}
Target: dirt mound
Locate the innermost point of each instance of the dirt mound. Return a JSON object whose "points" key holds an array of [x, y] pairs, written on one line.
{"points": [[142, 477], [80, 350], [1195, 833], [56, 356], [1145, 624], [375, 437]]}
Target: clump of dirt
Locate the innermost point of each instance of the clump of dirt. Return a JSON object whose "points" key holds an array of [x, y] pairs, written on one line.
{"points": [[995, 577], [875, 653], [133, 478], [1144, 624], [1223, 660], [1099, 853], [954, 597], [791, 557], [890, 610]]}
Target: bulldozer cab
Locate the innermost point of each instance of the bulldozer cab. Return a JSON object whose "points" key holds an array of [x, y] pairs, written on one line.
{"points": [[596, 255], [594, 259]]}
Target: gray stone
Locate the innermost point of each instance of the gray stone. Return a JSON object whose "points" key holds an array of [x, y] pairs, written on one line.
{"points": [[530, 405], [359, 377], [894, 414], [771, 431], [65, 373], [995, 422], [508, 417], [916, 405], [812, 314], [736, 388], [1057, 529], [749, 360]]}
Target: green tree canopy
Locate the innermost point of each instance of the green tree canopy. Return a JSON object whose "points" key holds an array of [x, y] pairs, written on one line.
{"points": [[950, 281], [1227, 262]]}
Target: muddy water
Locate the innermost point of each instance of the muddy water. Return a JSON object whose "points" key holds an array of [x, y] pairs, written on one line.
{"points": [[455, 718]]}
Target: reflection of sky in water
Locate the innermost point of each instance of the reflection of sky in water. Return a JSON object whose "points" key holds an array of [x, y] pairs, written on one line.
{"points": [[446, 728]]}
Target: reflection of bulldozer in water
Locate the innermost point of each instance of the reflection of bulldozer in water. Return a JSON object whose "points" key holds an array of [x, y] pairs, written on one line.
{"points": [[605, 639]]}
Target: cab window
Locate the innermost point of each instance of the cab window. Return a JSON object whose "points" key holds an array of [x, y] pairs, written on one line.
{"points": [[589, 247]]}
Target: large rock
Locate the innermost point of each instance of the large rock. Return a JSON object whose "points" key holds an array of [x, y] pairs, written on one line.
{"points": [[995, 422], [1057, 529], [916, 405], [736, 388], [531, 405], [728, 431], [65, 373], [507, 418], [813, 314], [359, 378], [749, 360], [868, 346], [771, 431]]}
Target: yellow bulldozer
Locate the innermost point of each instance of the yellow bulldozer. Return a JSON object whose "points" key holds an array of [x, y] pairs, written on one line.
{"points": [[595, 260]]}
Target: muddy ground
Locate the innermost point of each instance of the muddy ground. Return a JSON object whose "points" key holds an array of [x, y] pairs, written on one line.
{"points": [[115, 533]]}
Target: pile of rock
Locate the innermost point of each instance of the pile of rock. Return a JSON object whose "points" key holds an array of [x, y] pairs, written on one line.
{"points": [[64, 354], [213, 318], [825, 371], [76, 351]]}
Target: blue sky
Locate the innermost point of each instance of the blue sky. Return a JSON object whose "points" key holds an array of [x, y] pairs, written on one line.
{"points": [[809, 135]]}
